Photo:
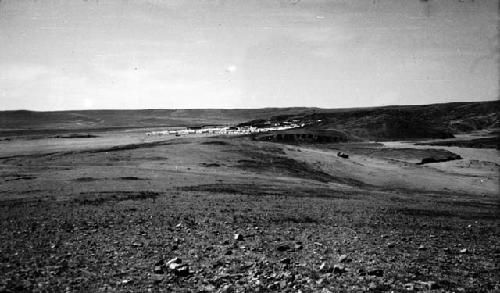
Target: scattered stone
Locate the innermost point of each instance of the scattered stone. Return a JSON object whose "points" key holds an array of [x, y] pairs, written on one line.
{"points": [[182, 271], [158, 270], [325, 268], [376, 272], [174, 260], [344, 258], [283, 247], [227, 289], [174, 266], [285, 260], [157, 278], [339, 269], [238, 237], [208, 288], [282, 284], [409, 287], [431, 285]]}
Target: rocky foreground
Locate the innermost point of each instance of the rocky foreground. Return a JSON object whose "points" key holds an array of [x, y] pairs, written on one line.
{"points": [[245, 241]]}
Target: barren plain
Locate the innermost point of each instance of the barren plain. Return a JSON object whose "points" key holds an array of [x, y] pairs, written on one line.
{"points": [[119, 211]]}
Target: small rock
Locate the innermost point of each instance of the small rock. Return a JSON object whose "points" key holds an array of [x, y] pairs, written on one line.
{"points": [[344, 258], [174, 260], [157, 278], [391, 245], [339, 269], [431, 285], [158, 270], [238, 237], [463, 250], [325, 268], [376, 273], [227, 289], [421, 247], [174, 266], [372, 286], [283, 247], [183, 271], [274, 286], [285, 260], [208, 288], [409, 287]]}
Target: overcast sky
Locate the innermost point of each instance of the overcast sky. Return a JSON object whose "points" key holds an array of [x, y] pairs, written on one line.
{"points": [[58, 55]]}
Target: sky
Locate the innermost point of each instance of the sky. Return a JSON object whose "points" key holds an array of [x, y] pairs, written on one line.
{"points": [[171, 54]]}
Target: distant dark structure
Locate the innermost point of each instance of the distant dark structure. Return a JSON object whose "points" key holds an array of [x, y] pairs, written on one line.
{"points": [[343, 155], [304, 136]]}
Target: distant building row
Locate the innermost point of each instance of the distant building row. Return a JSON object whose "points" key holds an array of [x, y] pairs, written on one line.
{"points": [[223, 130]]}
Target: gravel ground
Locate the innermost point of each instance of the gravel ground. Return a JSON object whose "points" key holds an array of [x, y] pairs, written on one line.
{"points": [[241, 242]]}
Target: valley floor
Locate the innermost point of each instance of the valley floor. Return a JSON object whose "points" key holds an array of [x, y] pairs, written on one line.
{"points": [[108, 213]]}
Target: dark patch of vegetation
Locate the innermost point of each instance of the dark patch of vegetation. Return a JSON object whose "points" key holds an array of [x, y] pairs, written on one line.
{"points": [[76, 135], [86, 179], [303, 136], [439, 159], [295, 219], [215, 142], [97, 198], [261, 160], [21, 177], [136, 146], [130, 178], [434, 212], [210, 164], [268, 190], [480, 143], [400, 154]]}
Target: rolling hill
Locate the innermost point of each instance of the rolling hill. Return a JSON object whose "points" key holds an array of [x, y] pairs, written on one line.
{"points": [[390, 122]]}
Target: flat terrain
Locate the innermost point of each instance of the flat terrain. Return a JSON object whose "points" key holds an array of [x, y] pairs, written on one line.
{"points": [[107, 213]]}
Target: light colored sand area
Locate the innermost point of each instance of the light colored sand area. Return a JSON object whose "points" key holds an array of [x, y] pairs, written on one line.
{"points": [[23, 146], [478, 179], [190, 162]]}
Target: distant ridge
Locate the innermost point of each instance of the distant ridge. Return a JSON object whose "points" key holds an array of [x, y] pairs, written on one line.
{"points": [[369, 122]]}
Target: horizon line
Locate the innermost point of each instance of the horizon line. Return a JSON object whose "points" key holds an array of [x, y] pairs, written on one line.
{"points": [[262, 108]]}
